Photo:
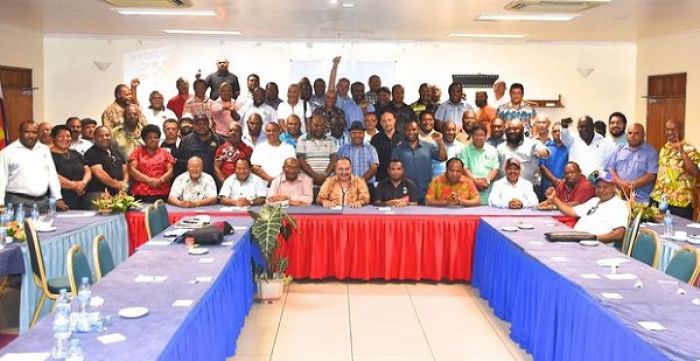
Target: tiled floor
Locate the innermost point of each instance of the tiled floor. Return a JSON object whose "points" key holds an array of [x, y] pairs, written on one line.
{"points": [[376, 321]]}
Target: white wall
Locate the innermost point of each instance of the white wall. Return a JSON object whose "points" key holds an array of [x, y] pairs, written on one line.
{"points": [[546, 69], [666, 55], [24, 49]]}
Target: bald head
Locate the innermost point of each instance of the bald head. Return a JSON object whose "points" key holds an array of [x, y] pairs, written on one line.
{"points": [[635, 135]]}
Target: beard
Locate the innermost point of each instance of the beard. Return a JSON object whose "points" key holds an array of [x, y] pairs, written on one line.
{"points": [[616, 132], [515, 138], [480, 103]]}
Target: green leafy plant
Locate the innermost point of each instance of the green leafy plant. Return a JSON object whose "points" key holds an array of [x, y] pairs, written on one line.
{"points": [[120, 203], [271, 228]]}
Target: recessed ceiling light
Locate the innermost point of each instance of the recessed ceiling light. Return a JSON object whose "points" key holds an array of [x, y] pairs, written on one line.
{"points": [[481, 35], [164, 12], [348, 5], [526, 17], [201, 32]]}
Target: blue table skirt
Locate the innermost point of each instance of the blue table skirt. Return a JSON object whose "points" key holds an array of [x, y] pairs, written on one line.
{"points": [[212, 328], [54, 250], [551, 318]]}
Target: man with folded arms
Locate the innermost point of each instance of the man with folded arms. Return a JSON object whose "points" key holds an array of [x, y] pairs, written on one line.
{"points": [[512, 191], [396, 190], [193, 188], [242, 189], [453, 188], [604, 215], [27, 171], [343, 189], [575, 189], [291, 186]]}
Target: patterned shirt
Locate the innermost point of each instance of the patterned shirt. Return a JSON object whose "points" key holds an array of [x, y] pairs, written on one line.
{"points": [[344, 139], [419, 107], [185, 189], [198, 107], [316, 152], [126, 141], [440, 189], [228, 154], [672, 180], [362, 157], [522, 111], [153, 165], [330, 115], [113, 116]]}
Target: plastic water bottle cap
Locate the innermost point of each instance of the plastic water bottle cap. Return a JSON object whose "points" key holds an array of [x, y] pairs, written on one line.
{"points": [[84, 280]]}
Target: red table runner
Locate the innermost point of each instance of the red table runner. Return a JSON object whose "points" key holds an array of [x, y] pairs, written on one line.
{"points": [[389, 247]]}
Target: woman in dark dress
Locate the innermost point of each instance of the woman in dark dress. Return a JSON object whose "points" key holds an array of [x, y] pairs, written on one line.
{"points": [[73, 174]]}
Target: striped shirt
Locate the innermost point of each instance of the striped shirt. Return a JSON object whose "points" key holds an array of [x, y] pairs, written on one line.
{"points": [[362, 157], [316, 152]]}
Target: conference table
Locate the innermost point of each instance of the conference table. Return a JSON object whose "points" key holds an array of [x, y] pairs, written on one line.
{"points": [[562, 305], [72, 227], [196, 313], [410, 243], [671, 246]]}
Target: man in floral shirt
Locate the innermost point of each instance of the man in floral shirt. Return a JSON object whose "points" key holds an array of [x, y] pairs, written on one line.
{"points": [[452, 189], [678, 170]]}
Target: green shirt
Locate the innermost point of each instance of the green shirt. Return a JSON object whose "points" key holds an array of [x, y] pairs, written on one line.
{"points": [[480, 162]]}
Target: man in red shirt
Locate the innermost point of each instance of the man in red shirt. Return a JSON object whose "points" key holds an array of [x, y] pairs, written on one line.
{"points": [[574, 190], [228, 153], [177, 103]]}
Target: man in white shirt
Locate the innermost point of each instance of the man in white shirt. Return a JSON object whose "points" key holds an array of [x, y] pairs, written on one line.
{"points": [[512, 191], [294, 105], [193, 188], [266, 112], [605, 215], [77, 143], [268, 157], [242, 189], [589, 150], [27, 171], [499, 90]]}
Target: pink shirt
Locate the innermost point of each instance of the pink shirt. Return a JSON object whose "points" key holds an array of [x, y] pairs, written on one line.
{"points": [[222, 118], [301, 189]]}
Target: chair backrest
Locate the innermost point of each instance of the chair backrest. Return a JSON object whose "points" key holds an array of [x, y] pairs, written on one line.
{"points": [[647, 247], [162, 213], [77, 267], [36, 256], [631, 234], [153, 225], [685, 265], [101, 257]]}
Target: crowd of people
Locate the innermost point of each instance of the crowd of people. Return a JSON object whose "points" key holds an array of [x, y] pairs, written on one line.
{"points": [[337, 144]]}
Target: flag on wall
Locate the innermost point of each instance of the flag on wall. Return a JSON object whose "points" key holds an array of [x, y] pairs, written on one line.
{"points": [[3, 134]]}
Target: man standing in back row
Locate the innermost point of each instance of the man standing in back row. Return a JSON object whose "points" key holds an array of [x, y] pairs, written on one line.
{"points": [[220, 76]]}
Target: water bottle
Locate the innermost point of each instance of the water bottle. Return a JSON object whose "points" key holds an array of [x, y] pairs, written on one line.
{"points": [[52, 208], [35, 212], [61, 326], [3, 237], [10, 211], [19, 214], [668, 224], [663, 204], [75, 353], [84, 294]]}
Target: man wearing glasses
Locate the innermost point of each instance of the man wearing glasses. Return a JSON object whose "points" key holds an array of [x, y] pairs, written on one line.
{"points": [[220, 76], [604, 215]]}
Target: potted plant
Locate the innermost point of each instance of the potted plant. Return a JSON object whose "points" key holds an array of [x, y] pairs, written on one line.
{"points": [[271, 228], [118, 203]]}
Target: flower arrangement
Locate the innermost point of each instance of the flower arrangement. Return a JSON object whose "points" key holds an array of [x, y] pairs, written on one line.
{"points": [[119, 203], [16, 231]]}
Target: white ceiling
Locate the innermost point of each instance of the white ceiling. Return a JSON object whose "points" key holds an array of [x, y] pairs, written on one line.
{"points": [[396, 20]]}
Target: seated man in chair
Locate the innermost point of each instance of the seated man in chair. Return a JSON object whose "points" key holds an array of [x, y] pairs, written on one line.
{"points": [[604, 215]]}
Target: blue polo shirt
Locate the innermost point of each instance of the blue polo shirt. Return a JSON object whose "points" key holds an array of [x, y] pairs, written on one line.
{"points": [[630, 164], [558, 157], [417, 163]]}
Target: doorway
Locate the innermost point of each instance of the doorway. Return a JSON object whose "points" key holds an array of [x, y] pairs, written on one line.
{"points": [[17, 91], [665, 100]]}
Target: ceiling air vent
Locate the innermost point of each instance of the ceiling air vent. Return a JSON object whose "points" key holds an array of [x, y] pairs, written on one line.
{"points": [[150, 3], [554, 6]]}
